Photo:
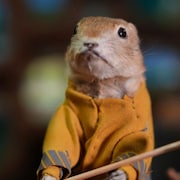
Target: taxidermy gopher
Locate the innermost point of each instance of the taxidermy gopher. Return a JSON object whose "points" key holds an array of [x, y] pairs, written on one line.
{"points": [[106, 115]]}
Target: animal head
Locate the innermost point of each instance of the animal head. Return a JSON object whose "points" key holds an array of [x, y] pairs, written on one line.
{"points": [[103, 48]]}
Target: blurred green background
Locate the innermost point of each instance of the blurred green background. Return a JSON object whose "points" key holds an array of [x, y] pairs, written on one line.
{"points": [[34, 35]]}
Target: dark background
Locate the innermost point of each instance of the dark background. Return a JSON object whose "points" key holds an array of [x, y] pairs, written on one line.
{"points": [[34, 35]]}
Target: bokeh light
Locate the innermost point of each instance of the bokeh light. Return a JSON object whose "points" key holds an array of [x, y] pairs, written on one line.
{"points": [[43, 86]]}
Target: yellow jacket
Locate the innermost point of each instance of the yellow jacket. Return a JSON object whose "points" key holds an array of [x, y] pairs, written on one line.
{"points": [[89, 133]]}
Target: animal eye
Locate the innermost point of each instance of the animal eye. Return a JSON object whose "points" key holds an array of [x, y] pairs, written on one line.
{"points": [[122, 32], [75, 30]]}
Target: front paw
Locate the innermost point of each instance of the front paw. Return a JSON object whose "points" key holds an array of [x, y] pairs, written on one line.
{"points": [[117, 175], [47, 177]]}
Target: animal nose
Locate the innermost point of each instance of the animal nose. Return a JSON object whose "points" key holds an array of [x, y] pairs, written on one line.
{"points": [[91, 45]]}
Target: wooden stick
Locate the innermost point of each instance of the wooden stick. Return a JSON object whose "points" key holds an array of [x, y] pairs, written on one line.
{"points": [[116, 165]]}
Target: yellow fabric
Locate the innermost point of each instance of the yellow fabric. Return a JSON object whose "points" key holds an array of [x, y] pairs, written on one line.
{"points": [[52, 171], [96, 131], [132, 174]]}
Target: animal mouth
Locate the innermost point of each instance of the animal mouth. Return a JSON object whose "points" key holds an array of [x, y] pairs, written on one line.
{"points": [[95, 53]]}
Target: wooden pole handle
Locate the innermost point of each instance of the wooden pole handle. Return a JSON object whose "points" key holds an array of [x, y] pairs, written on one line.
{"points": [[116, 165]]}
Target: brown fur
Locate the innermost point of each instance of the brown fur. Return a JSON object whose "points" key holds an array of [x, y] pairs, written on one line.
{"points": [[113, 66]]}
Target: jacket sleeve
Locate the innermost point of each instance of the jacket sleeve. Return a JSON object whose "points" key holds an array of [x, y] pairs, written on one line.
{"points": [[61, 148], [133, 144]]}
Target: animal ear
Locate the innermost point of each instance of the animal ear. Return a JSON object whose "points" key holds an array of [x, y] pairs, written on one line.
{"points": [[133, 33], [132, 27]]}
